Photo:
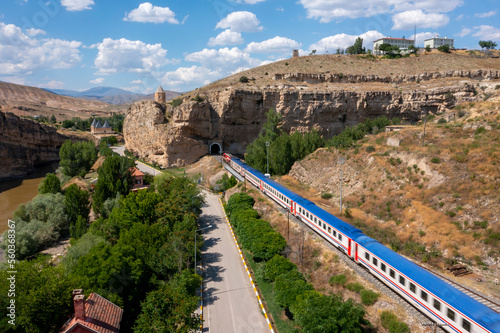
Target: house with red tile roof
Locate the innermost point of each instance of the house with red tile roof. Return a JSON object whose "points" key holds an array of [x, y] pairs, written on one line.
{"points": [[95, 315], [138, 179]]}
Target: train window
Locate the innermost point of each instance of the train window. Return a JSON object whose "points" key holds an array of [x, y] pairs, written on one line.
{"points": [[451, 314], [437, 304], [413, 288], [382, 266], [466, 325], [367, 256], [375, 261], [392, 274], [402, 280], [329, 230], [324, 226], [335, 233], [423, 295], [315, 220], [340, 237]]}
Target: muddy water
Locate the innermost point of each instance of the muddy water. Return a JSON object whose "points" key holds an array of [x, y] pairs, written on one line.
{"points": [[17, 191]]}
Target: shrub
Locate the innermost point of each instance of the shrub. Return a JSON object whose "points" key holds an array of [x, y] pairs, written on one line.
{"points": [[368, 297], [326, 195], [244, 79], [480, 130], [390, 322], [276, 266], [198, 99], [50, 184], [288, 286], [444, 48], [435, 160], [442, 121], [176, 102], [370, 149], [356, 287], [338, 280]]}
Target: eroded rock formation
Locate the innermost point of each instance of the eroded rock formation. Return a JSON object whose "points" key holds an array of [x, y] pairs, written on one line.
{"points": [[25, 144], [175, 136]]}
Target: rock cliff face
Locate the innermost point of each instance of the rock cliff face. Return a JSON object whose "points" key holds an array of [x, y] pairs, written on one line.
{"points": [[233, 117], [24, 144]]}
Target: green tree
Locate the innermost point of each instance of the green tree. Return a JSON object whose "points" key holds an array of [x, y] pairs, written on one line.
{"points": [[276, 266], [288, 286], [76, 202], [53, 119], [243, 79], [316, 313], [77, 158], [357, 48], [428, 48], [79, 229], [444, 48], [50, 184], [487, 44], [271, 129], [114, 177]]}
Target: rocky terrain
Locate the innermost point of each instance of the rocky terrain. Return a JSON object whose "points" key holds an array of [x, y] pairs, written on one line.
{"points": [[232, 115], [25, 144]]}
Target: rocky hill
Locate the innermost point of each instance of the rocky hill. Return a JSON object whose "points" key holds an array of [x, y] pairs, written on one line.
{"points": [[318, 95], [25, 144]]}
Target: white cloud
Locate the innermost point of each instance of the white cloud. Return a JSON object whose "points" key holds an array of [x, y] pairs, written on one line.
{"points": [[487, 32], [186, 76], [407, 20], [97, 81], [123, 55], [32, 32], [20, 54], [274, 45], [224, 59], [146, 12], [249, 2], [328, 10], [464, 32], [77, 5], [13, 79], [240, 22], [460, 17], [185, 19], [332, 43], [487, 14], [227, 37], [137, 82], [53, 85]]}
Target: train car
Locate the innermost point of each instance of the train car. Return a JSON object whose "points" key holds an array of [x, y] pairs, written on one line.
{"points": [[444, 304], [226, 157]]}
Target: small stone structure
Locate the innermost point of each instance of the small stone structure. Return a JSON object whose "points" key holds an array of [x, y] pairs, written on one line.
{"points": [[160, 95], [295, 54], [97, 128]]}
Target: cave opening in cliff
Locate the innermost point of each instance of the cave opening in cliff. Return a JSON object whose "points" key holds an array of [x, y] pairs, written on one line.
{"points": [[215, 149]]}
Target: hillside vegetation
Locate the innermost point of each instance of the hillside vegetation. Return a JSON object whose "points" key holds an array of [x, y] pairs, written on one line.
{"points": [[434, 200]]}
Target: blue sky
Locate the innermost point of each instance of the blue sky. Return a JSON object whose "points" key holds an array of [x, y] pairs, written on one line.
{"points": [[182, 45]]}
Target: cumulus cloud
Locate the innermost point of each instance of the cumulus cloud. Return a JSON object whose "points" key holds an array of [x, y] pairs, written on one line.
{"points": [[342, 41], [464, 32], [32, 32], [53, 85], [240, 22], [123, 55], [137, 82], [227, 37], [487, 32], [225, 59], [487, 14], [422, 36], [274, 45], [146, 12], [328, 10], [186, 76], [20, 54], [77, 5], [97, 81], [407, 20]]}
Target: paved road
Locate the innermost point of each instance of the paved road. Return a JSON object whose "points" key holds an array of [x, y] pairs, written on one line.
{"points": [[143, 167], [229, 301]]}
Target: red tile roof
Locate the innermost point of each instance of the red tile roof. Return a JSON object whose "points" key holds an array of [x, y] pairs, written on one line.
{"points": [[101, 316], [136, 172]]}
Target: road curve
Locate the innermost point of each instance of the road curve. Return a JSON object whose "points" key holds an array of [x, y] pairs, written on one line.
{"points": [[229, 301]]}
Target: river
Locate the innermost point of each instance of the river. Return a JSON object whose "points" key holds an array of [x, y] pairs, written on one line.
{"points": [[17, 191]]}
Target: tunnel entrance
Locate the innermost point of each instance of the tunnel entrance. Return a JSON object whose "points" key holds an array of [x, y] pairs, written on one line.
{"points": [[215, 149]]}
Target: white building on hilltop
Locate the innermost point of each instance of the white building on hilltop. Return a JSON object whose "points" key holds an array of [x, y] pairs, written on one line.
{"points": [[402, 43], [437, 41]]}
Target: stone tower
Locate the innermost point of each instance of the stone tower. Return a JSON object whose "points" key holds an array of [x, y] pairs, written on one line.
{"points": [[160, 96]]}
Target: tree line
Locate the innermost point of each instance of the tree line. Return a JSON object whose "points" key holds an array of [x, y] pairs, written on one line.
{"points": [[115, 121]]}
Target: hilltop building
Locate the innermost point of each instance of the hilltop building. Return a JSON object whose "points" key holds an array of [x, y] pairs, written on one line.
{"points": [[94, 315], [402, 43], [97, 128], [437, 41], [160, 95], [295, 54]]}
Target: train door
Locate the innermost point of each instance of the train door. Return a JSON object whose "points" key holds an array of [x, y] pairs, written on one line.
{"points": [[349, 247], [261, 186], [356, 252]]}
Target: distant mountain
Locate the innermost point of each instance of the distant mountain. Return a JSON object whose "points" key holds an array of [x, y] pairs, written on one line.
{"points": [[110, 95]]}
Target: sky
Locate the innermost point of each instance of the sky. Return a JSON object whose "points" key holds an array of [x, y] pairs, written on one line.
{"points": [[183, 45]]}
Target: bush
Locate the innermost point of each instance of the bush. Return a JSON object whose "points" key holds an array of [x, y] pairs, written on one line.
{"points": [[370, 149], [444, 48], [326, 195], [50, 184], [368, 297], [276, 266], [435, 160], [338, 280], [198, 99], [356, 287], [176, 102], [288, 286], [442, 121], [244, 79], [390, 322]]}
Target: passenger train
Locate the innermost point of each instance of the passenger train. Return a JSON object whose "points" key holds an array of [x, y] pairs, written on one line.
{"points": [[445, 305]]}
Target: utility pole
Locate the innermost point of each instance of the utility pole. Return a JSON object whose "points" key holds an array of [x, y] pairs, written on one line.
{"points": [[341, 162], [267, 148]]}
